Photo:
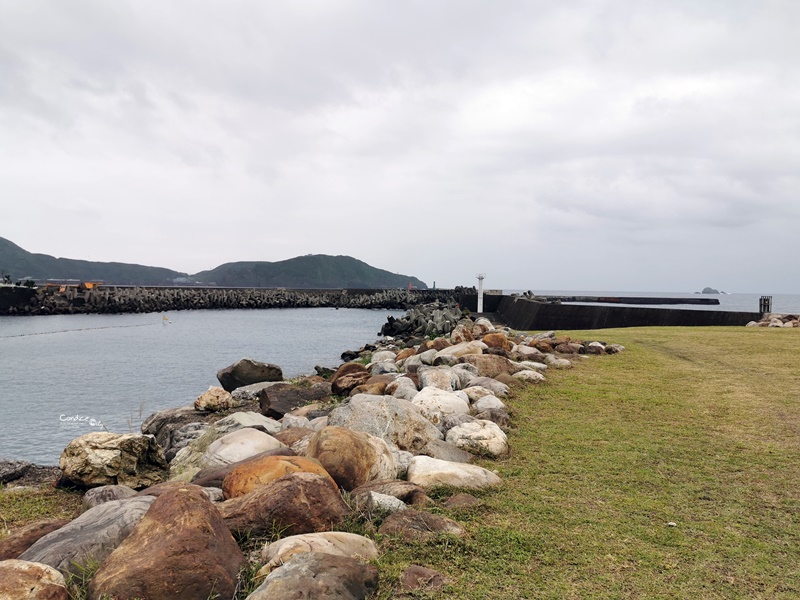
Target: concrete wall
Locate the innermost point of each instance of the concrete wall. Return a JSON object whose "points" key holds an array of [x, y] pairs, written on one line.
{"points": [[523, 314]]}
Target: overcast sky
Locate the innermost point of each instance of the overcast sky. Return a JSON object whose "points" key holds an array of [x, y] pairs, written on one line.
{"points": [[642, 145]]}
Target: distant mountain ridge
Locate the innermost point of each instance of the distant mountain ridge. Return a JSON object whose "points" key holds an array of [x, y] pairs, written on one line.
{"points": [[313, 271]]}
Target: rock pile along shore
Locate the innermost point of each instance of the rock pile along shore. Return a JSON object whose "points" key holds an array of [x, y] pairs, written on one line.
{"points": [[113, 300], [172, 512], [776, 320]]}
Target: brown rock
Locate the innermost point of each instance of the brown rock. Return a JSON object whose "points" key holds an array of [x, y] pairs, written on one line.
{"points": [[296, 503], [215, 399], [214, 476], [416, 577], [374, 389], [437, 344], [23, 580], [181, 549], [22, 539], [290, 436], [348, 376], [506, 379], [497, 340], [352, 457], [255, 473], [404, 354], [543, 346], [496, 415], [490, 365], [413, 524]]}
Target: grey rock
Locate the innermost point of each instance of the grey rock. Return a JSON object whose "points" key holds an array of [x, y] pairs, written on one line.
{"points": [[106, 493]]}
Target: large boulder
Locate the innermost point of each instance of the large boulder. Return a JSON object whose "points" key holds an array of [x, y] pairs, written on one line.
{"points": [[443, 378], [320, 576], [181, 549], [402, 387], [214, 476], [296, 503], [13, 469], [25, 580], [497, 339], [483, 438], [497, 388], [490, 365], [102, 458], [91, 537], [462, 349], [429, 472], [395, 420], [277, 400], [22, 539], [353, 458], [238, 445], [247, 372], [435, 404], [251, 474], [330, 542]]}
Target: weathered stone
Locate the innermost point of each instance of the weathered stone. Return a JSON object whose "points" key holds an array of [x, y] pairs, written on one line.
{"points": [[463, 349], [277, 400], [416, 577], [215, 399], [527, 352], [529, 376], [490, 365], [290, 436], [376, 502], [437, 344], [293, 422], [25, 580], [348, 376], [444, 451], [252, 393], [499, 416], [487, 402], [213, 494], [352, 458], [419, 525], [429, 472], [13, 469], [238, 445], [295, 503], [435, 403], [242, 420], [482, 326], [476, 392], [328, 542], [462, 333], [161, 424], [443, 378], [247, 372], [450, 421], [91, 537], [180, 550], [180, 438], [23, 538], [404, 354], [321, 577], [106, 493], [497, 388], [395, 420], [479, 437], [383, 356], [533, 366], [497, 339], [402, 387], [557, 363], [251, 474], [102, 458], [408, 493]]}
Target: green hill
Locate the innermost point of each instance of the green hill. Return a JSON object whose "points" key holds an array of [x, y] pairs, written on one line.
{"points": [[318, 271], [313, 271], [20, 263]]}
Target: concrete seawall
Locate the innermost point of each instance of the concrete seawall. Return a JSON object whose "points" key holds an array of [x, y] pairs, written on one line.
{"points": [[524, 314], [113, 300]]}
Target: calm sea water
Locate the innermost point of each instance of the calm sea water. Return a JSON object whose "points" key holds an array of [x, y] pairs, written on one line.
{"points": [[61, 374]]}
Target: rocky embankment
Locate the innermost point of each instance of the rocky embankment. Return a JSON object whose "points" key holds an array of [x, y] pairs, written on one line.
{"points": [[265, 475], [113, 300], [776, 320]]}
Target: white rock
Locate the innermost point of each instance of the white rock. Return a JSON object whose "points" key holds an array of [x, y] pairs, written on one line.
{"points": [[318, 423], [529, 376], [533, 365], [429, 472], [476, 392], [479, 437], [291, 422], [329, 542], [434, 403], [402, 387], [427, 356], [463, 349], [383, 356], [237, 446], [443, 378], [487, 402], [557, 363], [384, 502]]}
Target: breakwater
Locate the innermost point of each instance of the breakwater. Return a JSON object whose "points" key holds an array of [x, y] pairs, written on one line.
{"points": [[527, 314], [116, 300]]}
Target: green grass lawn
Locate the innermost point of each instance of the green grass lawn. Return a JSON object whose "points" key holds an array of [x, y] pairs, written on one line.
{"points": [[699, 427]]}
